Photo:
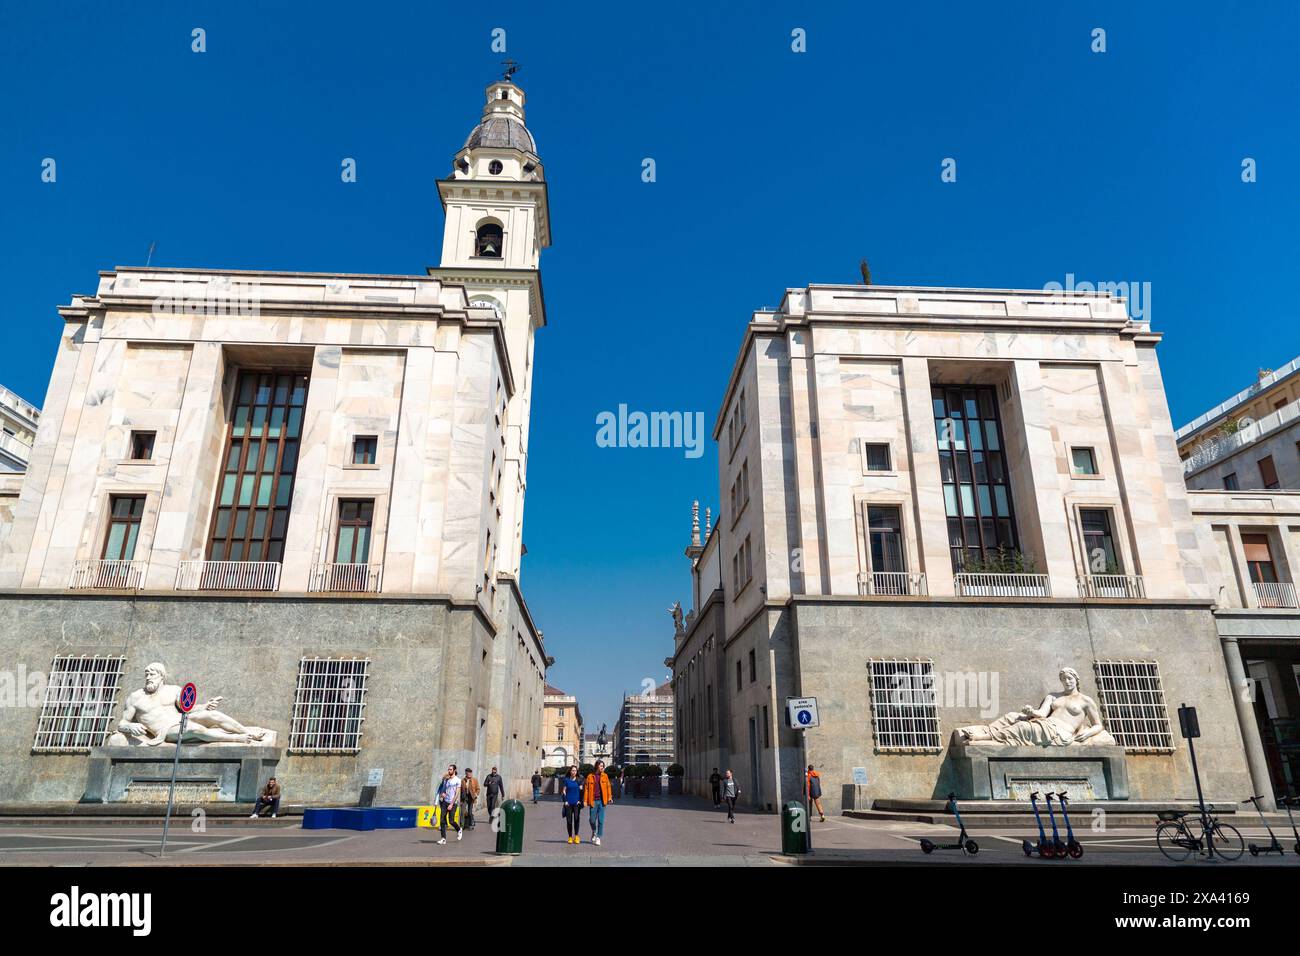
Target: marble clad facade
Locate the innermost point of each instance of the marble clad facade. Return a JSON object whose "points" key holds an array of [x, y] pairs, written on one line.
{"points": [[384, 522], [851, 531]]}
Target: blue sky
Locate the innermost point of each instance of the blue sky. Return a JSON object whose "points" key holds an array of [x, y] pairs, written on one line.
{"points": [[774, 169]]}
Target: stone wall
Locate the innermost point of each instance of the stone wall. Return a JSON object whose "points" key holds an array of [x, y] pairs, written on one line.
{"points": [[1022, 646], [431, 667]]}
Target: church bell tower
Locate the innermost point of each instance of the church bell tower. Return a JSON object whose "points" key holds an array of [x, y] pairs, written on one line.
{"points": [[497, 224]]}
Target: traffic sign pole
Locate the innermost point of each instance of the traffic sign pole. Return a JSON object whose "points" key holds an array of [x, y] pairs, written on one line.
{"points": [[184, 703]]}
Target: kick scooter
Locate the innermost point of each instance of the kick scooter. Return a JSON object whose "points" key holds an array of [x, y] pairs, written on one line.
{"points": [[1072, 847], [1273, 845], [1290, 802], [964, 843], [1058, 845], [1042, 848]]}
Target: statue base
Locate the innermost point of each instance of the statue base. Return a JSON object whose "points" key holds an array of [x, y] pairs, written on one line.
{"points": [[207, 773], [992, 771]]}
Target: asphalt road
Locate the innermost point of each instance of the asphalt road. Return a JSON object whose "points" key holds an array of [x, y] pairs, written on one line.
{"points": [[682, 831]]}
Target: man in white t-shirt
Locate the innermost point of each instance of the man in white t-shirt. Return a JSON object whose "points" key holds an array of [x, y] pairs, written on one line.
{"points": [[449, 804]]}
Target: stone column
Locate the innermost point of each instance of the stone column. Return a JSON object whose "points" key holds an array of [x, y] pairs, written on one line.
{"points": [[927, 487], [1259, 778]]}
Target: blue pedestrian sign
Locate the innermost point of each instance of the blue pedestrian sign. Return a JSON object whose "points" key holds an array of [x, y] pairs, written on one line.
{"points": [[801, 712]]}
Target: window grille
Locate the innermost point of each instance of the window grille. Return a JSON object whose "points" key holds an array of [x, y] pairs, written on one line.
{"points": [[1132, 701], [329, 705], [904, 711], [79, 704]]}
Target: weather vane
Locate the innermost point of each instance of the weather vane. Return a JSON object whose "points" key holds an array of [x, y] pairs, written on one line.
{"points": [[511, 69]]}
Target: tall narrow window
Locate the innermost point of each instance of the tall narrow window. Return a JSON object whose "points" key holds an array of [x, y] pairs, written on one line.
{"points": [[885, 527], [1268, 472], [1099, 541], [1230, 481], [1259, 558], [252, 513], [124, 514], [355, 517], [972, 466]]}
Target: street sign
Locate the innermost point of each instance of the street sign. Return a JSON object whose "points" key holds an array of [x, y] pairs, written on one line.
{"points": [[801, 712], [859, 776], [375, 777], [189, 694], [1188, 722]]}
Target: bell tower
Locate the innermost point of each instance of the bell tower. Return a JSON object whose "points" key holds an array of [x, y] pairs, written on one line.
{"points": [[497, 224]]}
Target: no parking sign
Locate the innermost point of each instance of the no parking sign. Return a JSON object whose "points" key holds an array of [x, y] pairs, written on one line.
{"points": [[189, 694]]}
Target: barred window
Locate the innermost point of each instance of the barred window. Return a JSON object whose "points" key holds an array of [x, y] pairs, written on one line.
{"points": [[329, 705], [80, 700], [1132, 703], [904, 711]]}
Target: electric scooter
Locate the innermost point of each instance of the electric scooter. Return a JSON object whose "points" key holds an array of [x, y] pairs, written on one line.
{"points": [[1290, 802], [964, 843], [1058, 845], [1273, 845], [1072, 846], [1042, 848]]}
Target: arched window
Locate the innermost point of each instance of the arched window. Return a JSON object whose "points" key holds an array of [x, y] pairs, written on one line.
{"points": [[488, 242]]}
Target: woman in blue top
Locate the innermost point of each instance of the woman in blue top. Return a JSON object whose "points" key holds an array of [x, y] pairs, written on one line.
{"points": [[571, 790]]}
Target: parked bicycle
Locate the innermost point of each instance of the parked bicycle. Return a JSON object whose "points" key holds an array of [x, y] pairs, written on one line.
{"points": [[1176, 840]]}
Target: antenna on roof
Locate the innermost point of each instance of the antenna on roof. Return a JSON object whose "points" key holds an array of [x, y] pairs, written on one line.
{"points": [[149, 258]]}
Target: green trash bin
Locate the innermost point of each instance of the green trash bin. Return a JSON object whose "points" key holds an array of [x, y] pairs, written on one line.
{"points": [[794, 828], [510, 837]]}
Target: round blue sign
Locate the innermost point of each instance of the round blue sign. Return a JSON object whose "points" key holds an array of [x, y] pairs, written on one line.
{"points": [[189, 694], [804, 717]]}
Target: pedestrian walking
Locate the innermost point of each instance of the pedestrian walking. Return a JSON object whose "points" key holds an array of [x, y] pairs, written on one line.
{"points": [[730, 788], [815, 791], [494, 788], [715, 781], [537, 785], [449, 804], [571, 793], [596, 795], [469, 791]]}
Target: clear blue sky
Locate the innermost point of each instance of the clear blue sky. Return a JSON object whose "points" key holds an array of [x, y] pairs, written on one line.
{"points": [[775, 169]]}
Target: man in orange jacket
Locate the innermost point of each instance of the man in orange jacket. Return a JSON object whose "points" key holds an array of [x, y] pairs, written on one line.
{"points": [[597, 794]]}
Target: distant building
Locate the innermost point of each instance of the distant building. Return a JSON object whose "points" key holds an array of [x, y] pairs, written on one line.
{"points": [[18, 421], [1251, 441], [561, 728], [645, 728]]}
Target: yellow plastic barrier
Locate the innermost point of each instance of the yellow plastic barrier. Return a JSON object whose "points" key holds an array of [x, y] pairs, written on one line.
{"points": [[432, 816]]}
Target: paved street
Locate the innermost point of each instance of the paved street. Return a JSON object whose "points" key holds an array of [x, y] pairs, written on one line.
{"points": [[681, 831]]}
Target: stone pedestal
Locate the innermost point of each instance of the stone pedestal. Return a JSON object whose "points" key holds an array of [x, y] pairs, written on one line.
{"points": [[208, 773], [999, 772]]}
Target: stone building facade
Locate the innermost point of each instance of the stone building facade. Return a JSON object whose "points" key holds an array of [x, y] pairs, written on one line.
{"points": [[562, 729], [643, 734], [932, 501], [305, 493]]}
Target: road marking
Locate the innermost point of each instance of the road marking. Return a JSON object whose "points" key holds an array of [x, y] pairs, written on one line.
{"points": [[215, 843]]}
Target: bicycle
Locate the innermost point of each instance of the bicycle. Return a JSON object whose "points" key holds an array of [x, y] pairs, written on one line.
{"points": [[1176, 840]]}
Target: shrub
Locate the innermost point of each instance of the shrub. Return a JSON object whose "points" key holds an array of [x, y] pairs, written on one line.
{"points": [[676, 770]]}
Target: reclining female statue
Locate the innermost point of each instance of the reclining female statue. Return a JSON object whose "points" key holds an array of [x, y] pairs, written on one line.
{"points": [[1070, 717]]}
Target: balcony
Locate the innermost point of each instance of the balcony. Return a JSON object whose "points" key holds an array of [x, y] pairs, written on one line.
{"points": [[351, 578], [1222, 446], [981, 584], [1275, 593], [1111, 586], [893, 583], [228, 576], [107, 575]]}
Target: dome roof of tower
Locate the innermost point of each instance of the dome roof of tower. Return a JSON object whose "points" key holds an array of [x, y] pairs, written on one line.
{"points": [[501, 132]]}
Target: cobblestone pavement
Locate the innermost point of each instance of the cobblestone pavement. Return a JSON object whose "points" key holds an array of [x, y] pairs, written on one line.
{"points": [[667, 831]]}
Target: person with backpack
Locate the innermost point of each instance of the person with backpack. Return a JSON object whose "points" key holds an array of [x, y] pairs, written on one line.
{"points": [[449, 804], [596, 795], [730, 788], [814, 786], [571, 796], [469, 791], [537, 785]]}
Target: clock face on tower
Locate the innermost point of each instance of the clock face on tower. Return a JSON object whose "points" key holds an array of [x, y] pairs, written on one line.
{"points": [[482, 302]]}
